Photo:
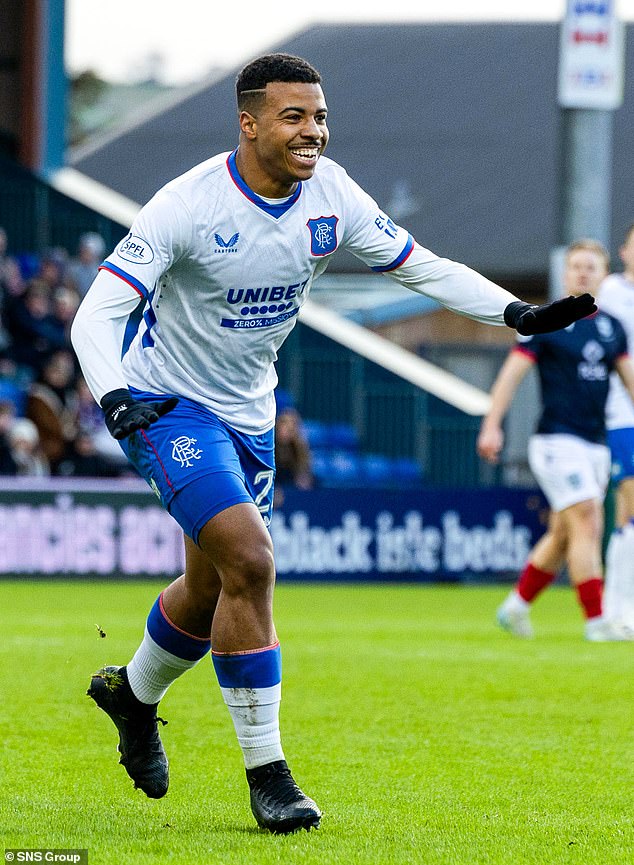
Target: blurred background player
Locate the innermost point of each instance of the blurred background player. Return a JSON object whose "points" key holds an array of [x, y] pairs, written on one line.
{"points": [[292, 454], [617, 299], [193, 400], [568, 455], [84, 267]]}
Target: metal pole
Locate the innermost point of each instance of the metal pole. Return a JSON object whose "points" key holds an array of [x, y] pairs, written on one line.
{"points": [[585, 185], [587, 173], [590, 89]]}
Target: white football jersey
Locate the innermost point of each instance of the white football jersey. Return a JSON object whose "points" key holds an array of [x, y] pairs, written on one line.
{"points": [[225, 273], [616, 297]]}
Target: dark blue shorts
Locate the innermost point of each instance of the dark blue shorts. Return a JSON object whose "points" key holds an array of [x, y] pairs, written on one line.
{"points": [[198, 465], [621, 444]]}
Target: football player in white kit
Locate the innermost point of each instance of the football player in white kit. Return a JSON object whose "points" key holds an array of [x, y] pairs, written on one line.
{"points": [[224, 257], [616, 296]]}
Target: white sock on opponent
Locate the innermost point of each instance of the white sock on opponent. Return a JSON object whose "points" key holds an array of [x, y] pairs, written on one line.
{"points": [[618, 597], [613, 573]]}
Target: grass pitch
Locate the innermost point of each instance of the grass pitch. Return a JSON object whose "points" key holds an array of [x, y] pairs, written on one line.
{"points": [[424, 733]]}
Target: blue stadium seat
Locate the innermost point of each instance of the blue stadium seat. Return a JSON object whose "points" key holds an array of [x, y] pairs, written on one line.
{"points": [[337, 462], [344, 469], [316, 433], [342, 436], [376, 469], [29, 264], [283, 400], [407, 471], [320, 463], [13, 393]]}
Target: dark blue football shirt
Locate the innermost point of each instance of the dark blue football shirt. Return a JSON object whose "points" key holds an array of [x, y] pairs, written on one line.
{"points": [[574, 372]]}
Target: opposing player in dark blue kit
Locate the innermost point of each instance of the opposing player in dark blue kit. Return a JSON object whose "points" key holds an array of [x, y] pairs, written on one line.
{"points": [[567, 455], [224, 257]]}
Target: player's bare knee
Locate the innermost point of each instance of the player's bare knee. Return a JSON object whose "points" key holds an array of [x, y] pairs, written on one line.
{"points": [[586, 520], [251, 572]]}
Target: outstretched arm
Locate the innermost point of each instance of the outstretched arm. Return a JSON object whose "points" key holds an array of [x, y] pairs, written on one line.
{"points": [[469, 293], [389, 248], [491, 439]]}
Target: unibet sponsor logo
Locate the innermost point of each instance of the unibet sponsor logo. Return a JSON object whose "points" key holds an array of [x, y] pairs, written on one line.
{"points": [[264, 306]]}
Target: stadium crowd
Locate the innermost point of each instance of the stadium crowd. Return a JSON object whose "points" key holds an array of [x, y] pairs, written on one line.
{"points": [[49, 422]]}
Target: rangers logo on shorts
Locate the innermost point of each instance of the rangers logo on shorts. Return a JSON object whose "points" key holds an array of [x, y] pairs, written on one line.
{"points": [[184, 451]]}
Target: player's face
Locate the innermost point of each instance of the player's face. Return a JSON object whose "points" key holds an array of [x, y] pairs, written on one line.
{"points": [[584, 272], [290, 133], [627, 254]]}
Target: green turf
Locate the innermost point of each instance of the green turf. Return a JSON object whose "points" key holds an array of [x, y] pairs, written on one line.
{"points": [[425, 735]]}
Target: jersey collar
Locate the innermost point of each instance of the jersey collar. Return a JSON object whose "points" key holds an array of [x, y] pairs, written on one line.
{"points": [[275, 210]]}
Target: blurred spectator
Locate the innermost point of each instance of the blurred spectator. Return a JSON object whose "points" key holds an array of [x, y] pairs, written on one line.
{"points": [[65, 303], [35, 331], [83, 460], [292, 453], [84, 267], [90, 415], [52, 270], [52, 405], [92, 425], [64, 431], [4, 245], [25, 448], [13, 284], [8, 466], [283, 400], [10, 280]]}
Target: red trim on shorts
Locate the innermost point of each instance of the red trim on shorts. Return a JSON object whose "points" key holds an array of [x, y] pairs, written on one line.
{"points": [[148, 442]]}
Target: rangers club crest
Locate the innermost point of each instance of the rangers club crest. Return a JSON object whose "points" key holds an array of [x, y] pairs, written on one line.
{"points": [[323, 234], [184, 451]]}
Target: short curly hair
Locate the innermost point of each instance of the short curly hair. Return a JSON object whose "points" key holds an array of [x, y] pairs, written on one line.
{"points": [[254, 77]]}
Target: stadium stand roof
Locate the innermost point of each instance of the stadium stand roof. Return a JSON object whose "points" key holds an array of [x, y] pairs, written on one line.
{"points": [[453, 128]]}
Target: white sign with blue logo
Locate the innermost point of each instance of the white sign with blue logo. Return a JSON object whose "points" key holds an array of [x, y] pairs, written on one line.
{"points": [[591, 56]]}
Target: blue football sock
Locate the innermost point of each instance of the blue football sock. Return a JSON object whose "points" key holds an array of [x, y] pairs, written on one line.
{"points": [[165, 654], [251, 685]]}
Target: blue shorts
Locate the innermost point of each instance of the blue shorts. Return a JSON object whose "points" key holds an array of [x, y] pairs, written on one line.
{"points": [[198, 465], [621, 442]]}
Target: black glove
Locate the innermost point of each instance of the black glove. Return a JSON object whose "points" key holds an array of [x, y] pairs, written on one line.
{"points": [[528, 319], [124, 414]]}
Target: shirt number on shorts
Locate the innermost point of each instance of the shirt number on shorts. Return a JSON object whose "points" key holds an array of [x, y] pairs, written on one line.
{"points": [[266, 478]]}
